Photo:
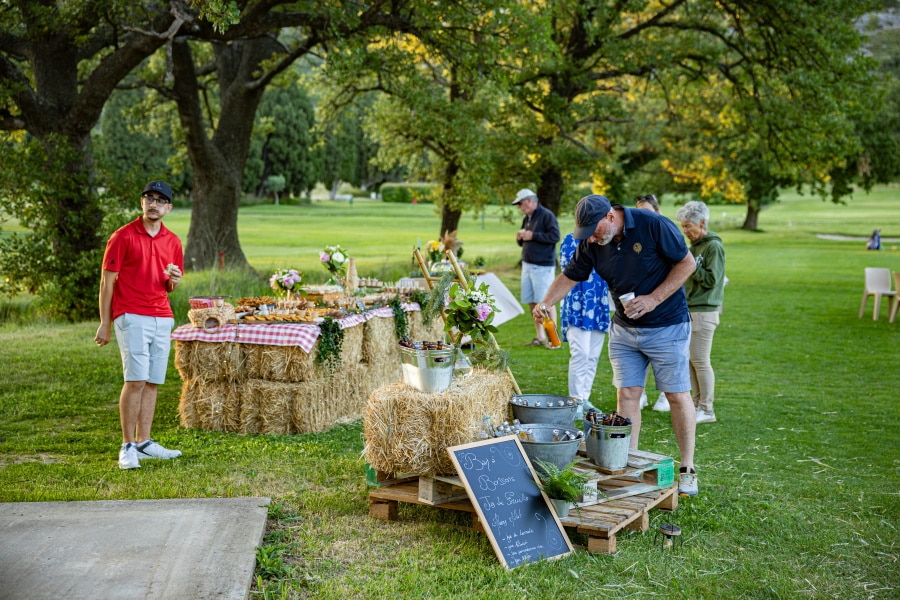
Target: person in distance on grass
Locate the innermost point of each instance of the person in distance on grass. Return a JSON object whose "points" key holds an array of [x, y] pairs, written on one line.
{"points": [[584, 320], [143, 262], [538, 238], [643, 253], [705, 290]]}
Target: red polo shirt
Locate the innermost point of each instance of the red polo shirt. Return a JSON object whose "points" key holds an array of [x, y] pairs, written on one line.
{"points": [[140, 261]]}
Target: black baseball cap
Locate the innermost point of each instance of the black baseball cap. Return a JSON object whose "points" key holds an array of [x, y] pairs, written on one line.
{"points": [[160, 187], [589, 211]]}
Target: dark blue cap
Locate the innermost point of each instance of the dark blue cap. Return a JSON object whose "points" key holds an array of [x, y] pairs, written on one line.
{"points": [[159, 186]]}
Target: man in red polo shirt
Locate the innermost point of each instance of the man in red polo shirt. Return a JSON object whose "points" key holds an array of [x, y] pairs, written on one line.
{"points": [[142, 264]]}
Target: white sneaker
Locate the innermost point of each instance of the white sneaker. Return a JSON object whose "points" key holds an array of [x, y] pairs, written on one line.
{"points": [[644, 401], [705, 417], [128, 458], [662, 403], [151, 449]]}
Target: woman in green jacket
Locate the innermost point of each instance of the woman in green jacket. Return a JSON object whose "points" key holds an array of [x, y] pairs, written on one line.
{"points": [[705, 292]]}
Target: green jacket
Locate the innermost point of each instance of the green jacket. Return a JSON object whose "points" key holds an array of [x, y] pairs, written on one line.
{"points": [[706, 287]]}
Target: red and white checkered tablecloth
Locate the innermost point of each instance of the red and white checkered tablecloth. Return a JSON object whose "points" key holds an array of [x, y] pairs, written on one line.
{"points": [[277, 334]]}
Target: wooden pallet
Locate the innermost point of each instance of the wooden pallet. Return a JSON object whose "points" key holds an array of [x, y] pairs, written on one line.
{"points": [[600, 522], [645, 472]]}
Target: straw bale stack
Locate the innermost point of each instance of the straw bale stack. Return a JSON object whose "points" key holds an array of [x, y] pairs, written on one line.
{"points": [[255, 388], [408, 432]]}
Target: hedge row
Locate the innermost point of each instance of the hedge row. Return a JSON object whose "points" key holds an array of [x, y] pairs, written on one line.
{"points": [[407, 192]]}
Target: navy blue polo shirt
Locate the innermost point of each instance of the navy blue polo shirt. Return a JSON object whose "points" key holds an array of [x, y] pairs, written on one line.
{"points": [[651, 245]]}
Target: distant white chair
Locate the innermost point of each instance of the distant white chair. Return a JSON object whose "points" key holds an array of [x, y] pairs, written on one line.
{"points": [[896, 303], [878, 284]]}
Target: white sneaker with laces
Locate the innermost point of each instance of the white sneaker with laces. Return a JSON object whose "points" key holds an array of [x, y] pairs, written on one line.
{"points": [[662, 403], [687, 484], [151, 449], [705, 417], [128, 458], [644, 401]]}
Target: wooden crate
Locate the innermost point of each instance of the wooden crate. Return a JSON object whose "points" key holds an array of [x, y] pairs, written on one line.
{"points": [[644, 473]]}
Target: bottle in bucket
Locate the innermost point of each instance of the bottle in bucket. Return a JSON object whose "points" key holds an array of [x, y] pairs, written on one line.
{"points": [[550, 328]]}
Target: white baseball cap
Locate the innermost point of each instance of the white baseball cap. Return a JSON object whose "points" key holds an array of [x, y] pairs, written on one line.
{"points": [[523, 195]]}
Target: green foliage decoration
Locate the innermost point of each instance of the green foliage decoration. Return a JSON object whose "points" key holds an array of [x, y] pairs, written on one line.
{"points": [[401, 320], [331, 340], [561, 484]]}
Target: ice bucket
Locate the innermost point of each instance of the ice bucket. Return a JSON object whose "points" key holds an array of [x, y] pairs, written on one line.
{"points": [[427, 370], [545, 408], [557, 453]]}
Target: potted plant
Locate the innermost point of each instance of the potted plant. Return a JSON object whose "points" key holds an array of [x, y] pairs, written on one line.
{"points": [[562, 486]]}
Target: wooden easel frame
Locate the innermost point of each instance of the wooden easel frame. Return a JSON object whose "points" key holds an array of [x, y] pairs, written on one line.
{"points": [[464, 283]]}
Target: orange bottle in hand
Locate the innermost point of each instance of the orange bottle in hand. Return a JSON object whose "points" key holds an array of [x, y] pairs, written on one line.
{"points": [[550, 328]]}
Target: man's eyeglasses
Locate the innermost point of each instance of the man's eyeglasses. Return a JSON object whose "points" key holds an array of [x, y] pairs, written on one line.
{"points": [[160, 200]]}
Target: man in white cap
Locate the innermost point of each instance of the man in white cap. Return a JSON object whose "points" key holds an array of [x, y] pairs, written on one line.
{"points": [[538, 238], [643, 255]]}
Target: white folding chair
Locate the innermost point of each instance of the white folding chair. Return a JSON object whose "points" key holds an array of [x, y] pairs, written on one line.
{"points": [[896, 303], [878, 284]]}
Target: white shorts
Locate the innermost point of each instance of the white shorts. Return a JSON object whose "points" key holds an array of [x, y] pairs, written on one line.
{"points": [[144, 344]]}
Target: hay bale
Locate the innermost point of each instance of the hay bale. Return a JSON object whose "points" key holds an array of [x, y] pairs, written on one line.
{"points": [[209, 360], [210, 405], [187, 407], [266, 406], [330, 398], [352, 346], [279, 363], [407, 431], [418, 330], [379, 340]]}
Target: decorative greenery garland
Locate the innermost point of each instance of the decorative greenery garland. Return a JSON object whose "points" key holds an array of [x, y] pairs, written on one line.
{"points": [[330, 342], [401, 320]]}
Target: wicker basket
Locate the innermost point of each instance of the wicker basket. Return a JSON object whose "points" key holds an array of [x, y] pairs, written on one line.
{"points": [[210, 319]]}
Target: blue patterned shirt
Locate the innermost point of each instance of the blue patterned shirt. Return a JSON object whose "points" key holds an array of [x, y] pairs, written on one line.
{"points": [[587, 305]]}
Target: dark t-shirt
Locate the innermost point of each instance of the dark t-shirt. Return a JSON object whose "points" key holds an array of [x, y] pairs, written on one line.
{"points": [[650, 247]]}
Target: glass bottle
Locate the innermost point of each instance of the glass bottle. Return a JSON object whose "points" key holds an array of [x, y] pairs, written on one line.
{"points": [[550, 328]]}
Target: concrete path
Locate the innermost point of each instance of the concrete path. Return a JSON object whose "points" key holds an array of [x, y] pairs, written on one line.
{"points": [[130, 549]]}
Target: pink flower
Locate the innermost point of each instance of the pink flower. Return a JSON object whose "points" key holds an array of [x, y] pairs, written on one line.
{"points": [[484, 311], [324, 257]]}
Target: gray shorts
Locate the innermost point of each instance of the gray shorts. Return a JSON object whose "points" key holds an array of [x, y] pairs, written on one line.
{"points": [[536, 280], [144, 344], [668, 349]]}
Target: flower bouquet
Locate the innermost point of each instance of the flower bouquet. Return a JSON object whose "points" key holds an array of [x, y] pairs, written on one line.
{"points": [[286, 281], [435, 251], [470, 311], [334, 258]]}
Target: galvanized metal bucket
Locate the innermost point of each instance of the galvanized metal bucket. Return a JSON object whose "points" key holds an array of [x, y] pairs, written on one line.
{"points": [[427, 370], [545, 408], [609, 445], [543, 447]]}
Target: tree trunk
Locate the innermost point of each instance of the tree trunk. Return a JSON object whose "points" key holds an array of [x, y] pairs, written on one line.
{"points": [[218, 163], [751, 221], [449, 215], [550, 189]]}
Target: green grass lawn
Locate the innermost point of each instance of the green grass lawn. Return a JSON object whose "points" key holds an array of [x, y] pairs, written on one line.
{"points": [[799, 477]]}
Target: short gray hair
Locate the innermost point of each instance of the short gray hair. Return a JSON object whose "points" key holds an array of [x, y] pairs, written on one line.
{"points": [[693, 212]]}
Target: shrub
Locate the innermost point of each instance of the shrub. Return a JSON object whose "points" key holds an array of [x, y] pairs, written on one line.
{"points": [[405, 192]]}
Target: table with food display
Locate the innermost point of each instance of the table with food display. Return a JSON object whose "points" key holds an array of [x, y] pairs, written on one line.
{"points": [[295, 364]]}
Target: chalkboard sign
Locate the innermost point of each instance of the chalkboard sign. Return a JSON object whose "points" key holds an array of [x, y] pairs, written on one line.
{"points": [[502, 487]]}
